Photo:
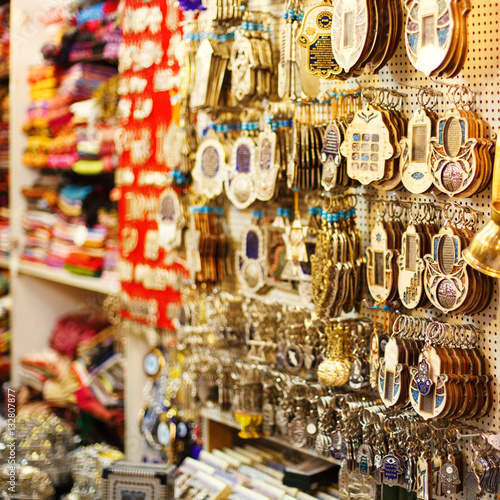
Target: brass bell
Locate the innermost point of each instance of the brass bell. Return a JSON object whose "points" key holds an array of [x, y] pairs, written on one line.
{"points": [[483, 252]]}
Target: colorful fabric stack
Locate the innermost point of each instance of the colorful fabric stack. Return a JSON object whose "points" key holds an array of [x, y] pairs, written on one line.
{"points": [[39, 218], [96, 124], [71, 226], [52, 141], [44, 82], [98, 35]]}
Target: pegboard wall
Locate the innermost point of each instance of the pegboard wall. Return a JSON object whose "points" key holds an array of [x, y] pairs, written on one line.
{"points": [[481, 74]]}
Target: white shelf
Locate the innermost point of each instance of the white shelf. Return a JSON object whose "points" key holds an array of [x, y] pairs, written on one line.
{"points": [[62, 276], [226, 418]]}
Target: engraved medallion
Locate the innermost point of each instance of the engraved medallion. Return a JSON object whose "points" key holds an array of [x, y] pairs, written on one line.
{"points": [[297, 432], [367, 146], [471, 484], [153, 363], [210, 172], [267, 419], [415, 174], [389, 375], [203, 62], [449, 478], [129, 240], [169, 146], [359, 377], [315, 36], [170, 220], [424, 479], [364, 458]]}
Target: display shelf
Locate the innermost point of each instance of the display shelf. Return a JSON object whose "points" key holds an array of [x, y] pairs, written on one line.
{"points": [[66, 278], [225, 418], [4, 262]]}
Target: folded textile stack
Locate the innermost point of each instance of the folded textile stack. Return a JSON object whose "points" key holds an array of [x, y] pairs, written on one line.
{"points": [[98, 34], [81, 367], [71, 226], [39, 218], [44, 81], [53, 136], [96, 125], [4, 39]]}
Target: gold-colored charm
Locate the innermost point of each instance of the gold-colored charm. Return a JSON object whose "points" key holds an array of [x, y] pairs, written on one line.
{"points": [[415, 174], [446, 281], [315, 36], [367, 146], [350, 29], [379, 264], [411, 267]]}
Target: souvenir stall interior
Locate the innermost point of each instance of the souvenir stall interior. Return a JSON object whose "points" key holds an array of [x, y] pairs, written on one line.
{"points": [[249, 249]]}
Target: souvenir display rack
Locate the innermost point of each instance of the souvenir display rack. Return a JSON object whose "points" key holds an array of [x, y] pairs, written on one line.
{"points": [[481, 76]]}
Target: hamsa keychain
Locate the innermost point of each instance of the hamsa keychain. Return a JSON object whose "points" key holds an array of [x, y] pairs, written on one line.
{"points": [[367, 144], [446, 280], [453, 159], [210, 171], [411, 268], [170, 220], [415, 173], [250, 260], [240, 188], [350, 32], [379, 264], [428, 394], [330, 155], [266, 168], [391, 376], [315, 36]]}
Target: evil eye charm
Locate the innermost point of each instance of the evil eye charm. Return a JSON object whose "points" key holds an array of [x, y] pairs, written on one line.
{"points": [[391, 469], [424, 383]]}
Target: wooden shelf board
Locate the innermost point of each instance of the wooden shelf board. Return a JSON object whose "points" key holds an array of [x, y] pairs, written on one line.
{"points": [[66, 278]]}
